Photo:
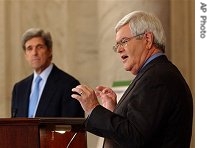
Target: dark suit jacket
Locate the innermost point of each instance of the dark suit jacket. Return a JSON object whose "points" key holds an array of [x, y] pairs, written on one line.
{"points": [[155, 111], [55, 100]]}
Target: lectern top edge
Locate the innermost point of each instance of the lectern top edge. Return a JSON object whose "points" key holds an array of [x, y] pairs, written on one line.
{"points": [[43, 120]]}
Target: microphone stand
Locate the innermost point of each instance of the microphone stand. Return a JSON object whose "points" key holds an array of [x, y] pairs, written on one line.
{"points": [[71, 140]]}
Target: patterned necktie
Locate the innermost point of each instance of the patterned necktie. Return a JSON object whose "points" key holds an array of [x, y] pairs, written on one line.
{"points": [[34, 97]]}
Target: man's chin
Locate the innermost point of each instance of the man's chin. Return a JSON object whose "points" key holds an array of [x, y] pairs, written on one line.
{"points": [[36, 68], [126, 68]]}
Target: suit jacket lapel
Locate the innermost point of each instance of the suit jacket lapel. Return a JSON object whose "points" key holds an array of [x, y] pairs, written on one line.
{"points": [[129, 89], [141, 73], [23, 107]]}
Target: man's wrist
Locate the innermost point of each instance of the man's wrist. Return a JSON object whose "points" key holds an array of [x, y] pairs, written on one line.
{"points": [[89, 112]]}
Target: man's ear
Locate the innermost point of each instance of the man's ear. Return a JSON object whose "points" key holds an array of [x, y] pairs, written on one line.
{"points": [[149, 39]]}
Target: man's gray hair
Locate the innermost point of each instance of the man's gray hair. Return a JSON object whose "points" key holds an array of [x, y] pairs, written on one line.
{"points": [[37, 32], [140, 22]]}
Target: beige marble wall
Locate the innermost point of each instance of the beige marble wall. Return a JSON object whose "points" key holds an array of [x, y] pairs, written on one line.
{"points": [[83, 34], [183, 38], [3, 98]]}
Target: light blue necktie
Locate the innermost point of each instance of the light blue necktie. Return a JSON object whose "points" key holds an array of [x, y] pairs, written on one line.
{"points": [[34, 97]]}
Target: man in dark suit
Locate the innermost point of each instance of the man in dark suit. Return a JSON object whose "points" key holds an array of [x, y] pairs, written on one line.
{"points": [[54, 98], [156, 110]]}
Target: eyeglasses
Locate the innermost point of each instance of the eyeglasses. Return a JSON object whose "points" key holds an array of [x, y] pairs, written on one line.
{"points": [[124, 42]]}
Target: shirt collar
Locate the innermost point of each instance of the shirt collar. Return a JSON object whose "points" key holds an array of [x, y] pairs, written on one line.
{"points": [[151, 58], [44, 75]]}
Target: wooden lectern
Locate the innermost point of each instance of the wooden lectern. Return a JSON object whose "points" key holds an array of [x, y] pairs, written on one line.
{"points": [[42, 133]]}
